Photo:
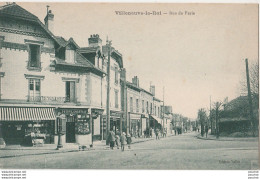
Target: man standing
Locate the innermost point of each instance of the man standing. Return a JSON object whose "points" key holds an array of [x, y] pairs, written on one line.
{"points": [[111, 139]]}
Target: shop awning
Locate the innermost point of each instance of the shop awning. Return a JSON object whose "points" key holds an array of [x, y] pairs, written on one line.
{"points": [[26, 114], [159, 120]]}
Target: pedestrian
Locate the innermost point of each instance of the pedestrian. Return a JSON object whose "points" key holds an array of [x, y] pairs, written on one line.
{"points": [[164, 133], [206, 130], [117, 139], [129, 141], [111, 138], [175, 130], [123, 141], [157, 134], [151, 132]]}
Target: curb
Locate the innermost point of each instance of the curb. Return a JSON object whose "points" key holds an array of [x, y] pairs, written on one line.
{"points": [[67, 151], [60, 151], [221, 139]]}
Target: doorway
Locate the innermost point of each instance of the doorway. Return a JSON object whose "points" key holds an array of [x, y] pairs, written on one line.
{"points": [[70, 132]]}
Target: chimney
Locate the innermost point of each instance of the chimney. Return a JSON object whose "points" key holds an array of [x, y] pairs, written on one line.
{"points": [[135, 81], [49, 20], [152, 89], [94, 41]]}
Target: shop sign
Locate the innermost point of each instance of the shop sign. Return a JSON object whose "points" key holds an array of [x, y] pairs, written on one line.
{"points": [[83, 126], [73, 111]]}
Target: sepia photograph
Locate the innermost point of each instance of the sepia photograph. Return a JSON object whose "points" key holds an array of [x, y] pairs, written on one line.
{"points": [[128, 86]]}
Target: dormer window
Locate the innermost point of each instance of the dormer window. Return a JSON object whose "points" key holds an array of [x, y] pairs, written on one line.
{"points": [[70, 56]]}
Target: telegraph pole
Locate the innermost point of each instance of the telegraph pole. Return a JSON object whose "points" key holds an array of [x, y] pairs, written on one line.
{"points": [[211, 122], [249, 98], [163, 108], [108, 44]]}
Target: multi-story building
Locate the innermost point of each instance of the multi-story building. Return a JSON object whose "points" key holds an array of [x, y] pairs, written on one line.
{"points": [[97, 54], [45, 78], [143, 109]]}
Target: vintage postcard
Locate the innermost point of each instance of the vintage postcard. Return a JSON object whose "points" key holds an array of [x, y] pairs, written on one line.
{"points": [[128, 86]]}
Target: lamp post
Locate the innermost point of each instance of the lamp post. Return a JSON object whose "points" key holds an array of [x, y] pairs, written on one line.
{"points": [[59, 128]]}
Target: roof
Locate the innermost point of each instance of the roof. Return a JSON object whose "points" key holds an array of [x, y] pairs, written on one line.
{"points": [[88, 49], [64, 42], [17, 11], [61, 40], [132, 86], [156, 99], [146, 91], [81, 61]]}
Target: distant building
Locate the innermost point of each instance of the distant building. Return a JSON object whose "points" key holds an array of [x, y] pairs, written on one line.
{"points": [[235, 116]]}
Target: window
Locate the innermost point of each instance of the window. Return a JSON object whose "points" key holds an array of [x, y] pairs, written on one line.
{"points": [[131, 104], [116, 75], [142, 106], [70, 91], [137, 105], [147, 107], [116, 99], [34, 56], [151, 108], [158, 111], [34, 90], [155, 110]]}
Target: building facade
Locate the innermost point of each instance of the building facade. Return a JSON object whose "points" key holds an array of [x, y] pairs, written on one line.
{"points": [[46, 84]]}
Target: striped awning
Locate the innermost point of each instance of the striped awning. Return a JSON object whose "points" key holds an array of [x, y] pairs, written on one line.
{"points": [[26, 113], [159, 120]]}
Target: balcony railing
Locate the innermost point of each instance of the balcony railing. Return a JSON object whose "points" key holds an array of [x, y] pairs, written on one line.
{"points": [[52, 99]]}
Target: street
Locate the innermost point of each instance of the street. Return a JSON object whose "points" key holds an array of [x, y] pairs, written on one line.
{"points": [[176, 152]]}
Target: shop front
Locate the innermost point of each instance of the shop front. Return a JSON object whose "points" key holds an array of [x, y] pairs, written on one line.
{"points": [[135, 124], [116, 118], [75, 126], [27, 125]]}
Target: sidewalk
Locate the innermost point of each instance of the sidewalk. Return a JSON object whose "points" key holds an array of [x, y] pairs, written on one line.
{"points": [[212, 137], [17, 150]]}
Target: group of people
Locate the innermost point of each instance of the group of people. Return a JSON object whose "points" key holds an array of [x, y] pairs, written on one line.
{"points": [[114, 138], [158, 131]]}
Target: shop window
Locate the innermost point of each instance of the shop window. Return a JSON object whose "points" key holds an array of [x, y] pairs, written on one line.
{"points": [[34, 90], [70, 91], [116, 99], [34, 57]]}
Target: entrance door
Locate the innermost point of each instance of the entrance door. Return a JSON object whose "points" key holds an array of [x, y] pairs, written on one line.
{"points": [[70, 132]]}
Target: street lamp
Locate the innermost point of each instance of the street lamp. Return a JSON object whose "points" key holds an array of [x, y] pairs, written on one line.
{"points": [[59, 129]]}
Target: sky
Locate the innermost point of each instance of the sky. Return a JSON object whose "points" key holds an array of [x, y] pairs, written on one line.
{"points": [[192, 56]]}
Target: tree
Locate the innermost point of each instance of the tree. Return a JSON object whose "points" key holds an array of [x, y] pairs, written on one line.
{"points": [[202, 117], [254, 80], [217, 106]]}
